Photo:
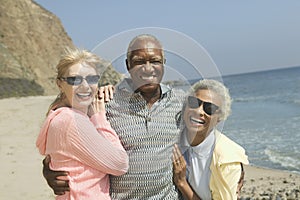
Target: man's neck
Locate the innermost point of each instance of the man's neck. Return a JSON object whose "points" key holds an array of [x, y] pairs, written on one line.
{"points": [[151, 98]]}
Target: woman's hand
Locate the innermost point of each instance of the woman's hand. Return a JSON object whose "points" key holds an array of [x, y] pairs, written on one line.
{"points": [[104, 94], [179, 167], [179, 176]]}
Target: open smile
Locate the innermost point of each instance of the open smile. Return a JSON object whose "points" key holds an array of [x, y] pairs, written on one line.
{"points": [[84, 95], [148, 78], [197, 121]]}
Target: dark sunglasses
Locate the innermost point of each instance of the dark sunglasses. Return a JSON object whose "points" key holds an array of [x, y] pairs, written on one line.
{"points": [[77, 80], [209, 108]]}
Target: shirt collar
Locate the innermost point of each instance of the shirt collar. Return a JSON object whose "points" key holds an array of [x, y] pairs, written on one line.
{"points": [[126, 85], [204, 148]]}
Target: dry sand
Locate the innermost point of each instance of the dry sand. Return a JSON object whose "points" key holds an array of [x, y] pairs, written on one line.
{"points": [[21, 176]]}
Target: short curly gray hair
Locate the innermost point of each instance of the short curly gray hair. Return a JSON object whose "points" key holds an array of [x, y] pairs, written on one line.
{"points": [[220, 89]]}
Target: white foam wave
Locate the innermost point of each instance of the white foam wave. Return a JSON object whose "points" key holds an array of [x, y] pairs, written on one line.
{"points": [[296, 101], [253, 98], [284, 160]]}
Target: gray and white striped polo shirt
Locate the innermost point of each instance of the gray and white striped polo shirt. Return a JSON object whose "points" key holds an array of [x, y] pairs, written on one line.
{"points": [[148, 136]]}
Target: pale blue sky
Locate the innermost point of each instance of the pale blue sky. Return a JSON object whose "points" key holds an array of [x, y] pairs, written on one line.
{"points": [[240, 36]]}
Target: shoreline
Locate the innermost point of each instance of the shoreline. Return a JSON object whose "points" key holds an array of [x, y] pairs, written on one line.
{"points": [[21, 166]]}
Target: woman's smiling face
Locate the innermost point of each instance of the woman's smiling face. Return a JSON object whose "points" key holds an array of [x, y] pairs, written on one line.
{"points": [[198, 123], [82, 95]]}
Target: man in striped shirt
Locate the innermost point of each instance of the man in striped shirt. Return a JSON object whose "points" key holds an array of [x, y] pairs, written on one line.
{"points": [[143, 115]]}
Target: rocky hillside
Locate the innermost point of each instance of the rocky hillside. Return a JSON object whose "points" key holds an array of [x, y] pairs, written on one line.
{"points": [[32, 40]]}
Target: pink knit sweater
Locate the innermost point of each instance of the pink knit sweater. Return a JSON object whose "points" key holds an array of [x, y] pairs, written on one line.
{"points": [[88, 148]]}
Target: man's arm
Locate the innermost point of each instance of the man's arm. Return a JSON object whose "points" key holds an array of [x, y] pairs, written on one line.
{"points": [[59, 186], [241, 182]]}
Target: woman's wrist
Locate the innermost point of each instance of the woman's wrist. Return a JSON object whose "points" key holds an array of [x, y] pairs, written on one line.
{"points": [[182, 184]]}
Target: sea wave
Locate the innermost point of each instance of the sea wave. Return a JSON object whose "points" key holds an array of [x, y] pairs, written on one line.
{"points": [[287, 161], [269, 98], [296, 101], [254, 98]]}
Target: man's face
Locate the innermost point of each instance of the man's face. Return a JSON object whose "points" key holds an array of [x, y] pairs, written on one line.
{"points": [[145, 66]]}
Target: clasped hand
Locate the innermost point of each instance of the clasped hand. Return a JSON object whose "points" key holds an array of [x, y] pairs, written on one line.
{"points": [[104, 95]]}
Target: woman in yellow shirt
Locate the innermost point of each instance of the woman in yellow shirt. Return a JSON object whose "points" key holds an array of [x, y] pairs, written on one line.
{"points": [[211, 165]]}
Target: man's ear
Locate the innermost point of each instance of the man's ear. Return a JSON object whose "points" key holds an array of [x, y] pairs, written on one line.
{"points": [[127, 64]]}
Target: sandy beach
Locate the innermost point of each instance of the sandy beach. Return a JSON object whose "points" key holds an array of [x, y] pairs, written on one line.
{"points": [[21, 176]]}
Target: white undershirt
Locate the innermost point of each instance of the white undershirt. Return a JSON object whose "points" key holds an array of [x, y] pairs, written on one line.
{"points": [[198, 162]]}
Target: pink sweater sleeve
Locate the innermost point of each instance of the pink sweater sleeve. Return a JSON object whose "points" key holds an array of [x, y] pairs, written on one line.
{"points": [[96, 145], [104, 128]]}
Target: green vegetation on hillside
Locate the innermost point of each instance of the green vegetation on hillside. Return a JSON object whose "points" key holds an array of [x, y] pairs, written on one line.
{"points": [[11, 87]]}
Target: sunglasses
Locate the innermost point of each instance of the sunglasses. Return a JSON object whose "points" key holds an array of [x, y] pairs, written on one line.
{"points": [[209, 108], [77, 80]]}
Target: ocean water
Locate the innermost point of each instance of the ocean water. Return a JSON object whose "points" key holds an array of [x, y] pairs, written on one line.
{"points": [[265, 117]]}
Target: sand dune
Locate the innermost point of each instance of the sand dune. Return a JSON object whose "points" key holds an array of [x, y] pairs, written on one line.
{"points": [[21, 176]]}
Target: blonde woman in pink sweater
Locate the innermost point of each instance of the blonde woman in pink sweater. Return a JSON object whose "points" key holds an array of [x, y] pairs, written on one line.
{"points": [[76, 133]]}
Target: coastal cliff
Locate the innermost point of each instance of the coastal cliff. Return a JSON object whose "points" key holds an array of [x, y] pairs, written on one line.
{"points": [[32, 40]]}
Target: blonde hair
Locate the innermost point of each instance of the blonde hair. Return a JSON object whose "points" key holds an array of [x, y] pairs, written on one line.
{"points": [[68, 59]]}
